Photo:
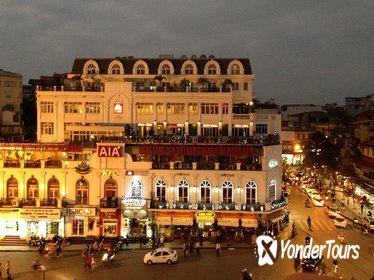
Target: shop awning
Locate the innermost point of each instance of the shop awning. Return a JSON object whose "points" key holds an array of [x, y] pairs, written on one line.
{"points": [[163, 221], [249, 223], [228, 222], [182, 221], [277, 217]]}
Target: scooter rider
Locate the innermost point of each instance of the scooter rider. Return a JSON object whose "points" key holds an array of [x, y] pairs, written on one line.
{"points": [[335, 265]]}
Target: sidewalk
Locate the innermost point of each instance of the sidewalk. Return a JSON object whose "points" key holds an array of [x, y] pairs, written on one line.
{"points": [[176, 244]]}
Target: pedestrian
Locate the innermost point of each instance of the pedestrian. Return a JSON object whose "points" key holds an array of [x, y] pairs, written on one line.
{"points": [[197, 247], [309, 221], [218, 249], [362, 208], [162, 239], [7, 268], [185, 249], [141, 241]]}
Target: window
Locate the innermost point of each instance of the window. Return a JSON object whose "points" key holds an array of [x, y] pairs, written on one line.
{"points": [[209, 108], [12, 188], [188, 70], [175, 108], [110, 188], [93, 108], [272, 194], [73, 107], [227, 192], [136, 189], [205, 187], [78, 226], [32, 188], [245, 86], [81, 195], [250, 193], [53, 188], [225, 108], [47, 128], [140, 69], [212, 69], [235, 86], [193, 109], [165, 69], [161, 190], [91, 69], [46, 107], [261, 128], [160, 108], [116, 69], [235, 69], [144, 108], [183, 191]]}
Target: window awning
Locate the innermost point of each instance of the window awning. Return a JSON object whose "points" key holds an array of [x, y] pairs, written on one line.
{"points": [[228, 222], [163, 221], [249, 223], [182, 221]]}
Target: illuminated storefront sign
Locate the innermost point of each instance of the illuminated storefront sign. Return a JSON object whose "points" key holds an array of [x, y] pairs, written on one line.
{"points": [[110, 173], [134, 203], [80, 211], [109, 151], [206, 215], [40, 213]]}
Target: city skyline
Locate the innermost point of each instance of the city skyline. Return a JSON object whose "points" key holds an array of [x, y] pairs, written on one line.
{"points": [[299, 52]]}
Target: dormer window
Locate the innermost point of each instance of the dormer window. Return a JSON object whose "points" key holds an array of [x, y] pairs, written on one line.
{"points": [[116, 69], [91, 69], [235, 69], [165, 70], [140, 69], [188, 70], [212, 69]]}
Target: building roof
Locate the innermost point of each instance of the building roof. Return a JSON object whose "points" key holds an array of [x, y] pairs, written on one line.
{"points": [[153, 64], [9, 74]]}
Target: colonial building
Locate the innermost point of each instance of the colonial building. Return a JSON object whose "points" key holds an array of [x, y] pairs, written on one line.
{"points": [[134, 145]]}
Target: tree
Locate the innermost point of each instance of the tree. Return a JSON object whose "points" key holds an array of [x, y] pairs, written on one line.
{"points": [[159, 79], [319, 151], [184, 84], [202, 81]]}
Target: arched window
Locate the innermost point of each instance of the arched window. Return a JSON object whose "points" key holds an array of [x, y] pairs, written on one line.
{"points": [[250, 193], [53, 190], [183, 191], [81, 192], [12, 188], [165, 69], [272, 193], [110, 188], [140, 69], [116, 69], [32, 188], [188, 69], [91, 69], [212, 69], [205, 187], [235, 69], [161, 190], [227, 192]]}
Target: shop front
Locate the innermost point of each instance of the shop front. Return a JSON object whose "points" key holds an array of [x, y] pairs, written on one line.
{"points": [[80, 222], [11, 223], [110, 222], [42, 222]]}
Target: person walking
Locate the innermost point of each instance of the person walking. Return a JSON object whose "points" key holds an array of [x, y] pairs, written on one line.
{"points": [[218, 249], [185, 249], [197, 247], [309, 222], [7, 268], [162, 240]]}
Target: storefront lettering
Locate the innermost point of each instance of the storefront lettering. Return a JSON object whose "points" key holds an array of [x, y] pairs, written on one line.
{"points": [[134, 203], [37, 213], [110, 173], [109, 151], [205, 215], [80, 211]]}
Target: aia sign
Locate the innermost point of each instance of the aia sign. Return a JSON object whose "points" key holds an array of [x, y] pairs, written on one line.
{"points": [[109, 151]]}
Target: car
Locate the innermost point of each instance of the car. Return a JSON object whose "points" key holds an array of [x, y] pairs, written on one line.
{"points": [[368, 222], [318, 201], [310, 264], [313, 194], [161, 255], [333, 211], [340, 222]]}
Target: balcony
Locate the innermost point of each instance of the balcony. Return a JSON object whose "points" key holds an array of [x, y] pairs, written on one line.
{"points": [[32, 164], [31, 202], [182, 205], [204, 206], [253, 207], [156, 204], [48, 202], [227, 166], [251, 166], [9, 202], [182, 165], [12, 163], [109, 202], [52, 163], [227, 206], [160, 165], [205, 166]]}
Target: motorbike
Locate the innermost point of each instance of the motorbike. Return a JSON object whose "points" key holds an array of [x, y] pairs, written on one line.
{"points": [[108, 256], [56, 252], [341, 238], [33, 241], [41, 247], [117, 246]]}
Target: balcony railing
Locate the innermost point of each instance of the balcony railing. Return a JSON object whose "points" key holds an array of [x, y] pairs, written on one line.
{"points": [[109, 202], [251, 166], [156, 204], [204, 206], [12, 163], [205, 166], [11, 202], [32, 164], [227, 206], [182, 205], [160, 165], [48, 202], [53, 163], [253, 207], [27, 202], [182, 165], [227, 166]]}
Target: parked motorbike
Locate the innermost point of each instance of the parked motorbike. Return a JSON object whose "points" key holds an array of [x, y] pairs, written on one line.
{"points": [[108, 256], [33, 240], [56, 252], [41, 246]]}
